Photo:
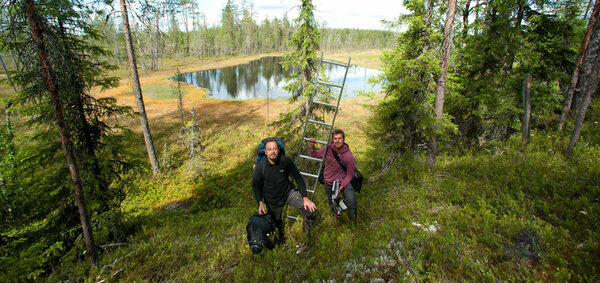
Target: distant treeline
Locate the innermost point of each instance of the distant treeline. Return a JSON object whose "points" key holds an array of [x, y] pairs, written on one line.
{"points": [[167, 29]]}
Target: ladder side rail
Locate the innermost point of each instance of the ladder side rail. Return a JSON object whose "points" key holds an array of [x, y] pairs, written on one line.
{"points": [[318, 173], [335, 63], [338, 102]]}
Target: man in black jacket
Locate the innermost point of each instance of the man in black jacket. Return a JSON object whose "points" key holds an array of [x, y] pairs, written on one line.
{"points": [[271, 182]]}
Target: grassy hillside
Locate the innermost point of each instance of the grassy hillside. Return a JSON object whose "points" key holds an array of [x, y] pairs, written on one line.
{"points": [[495, 213]]}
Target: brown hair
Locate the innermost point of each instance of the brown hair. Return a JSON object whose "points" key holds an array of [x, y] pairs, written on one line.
{"points": [[337, 132]]}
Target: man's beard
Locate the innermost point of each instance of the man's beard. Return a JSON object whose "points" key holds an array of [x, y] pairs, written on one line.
{"points": [[274, 159]]}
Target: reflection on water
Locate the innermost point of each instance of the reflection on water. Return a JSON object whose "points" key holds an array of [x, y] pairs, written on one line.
{"points": [[265, 75]]}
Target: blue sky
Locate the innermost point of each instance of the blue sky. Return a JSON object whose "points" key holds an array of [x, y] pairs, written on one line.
{"points": [[363, 14]]}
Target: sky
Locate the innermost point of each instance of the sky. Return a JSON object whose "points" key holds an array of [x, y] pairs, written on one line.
{"points": [[361, 14]]}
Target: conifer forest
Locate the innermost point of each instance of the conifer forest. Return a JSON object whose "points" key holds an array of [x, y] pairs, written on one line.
{"points": [[476, 132]]}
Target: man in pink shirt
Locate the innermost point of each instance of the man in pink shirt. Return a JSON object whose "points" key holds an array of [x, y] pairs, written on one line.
{"points": [[335, 171]]}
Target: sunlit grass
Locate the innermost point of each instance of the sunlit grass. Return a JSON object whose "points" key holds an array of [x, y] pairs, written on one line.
{"points": [[365, 58]]}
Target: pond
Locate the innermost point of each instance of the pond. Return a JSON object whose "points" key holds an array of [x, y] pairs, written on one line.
{"points": [[265, 76]]}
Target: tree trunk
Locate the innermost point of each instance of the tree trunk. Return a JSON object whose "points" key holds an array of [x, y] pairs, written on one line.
{"points": [[180, 99], [465, 18], [193, 138], [8, 104], [11, 144], [153, 59], [575, 77], [587, 9], [526, 109], [137, 90], [476, 27], [187, 34], [590, 68], [440, 89], [63, 130], [158, 50], [587, 101], [518, 34], [7, 75], [116, 51]]}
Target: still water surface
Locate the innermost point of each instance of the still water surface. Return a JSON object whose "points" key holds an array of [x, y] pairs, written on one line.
{"points": [[265, 76]]}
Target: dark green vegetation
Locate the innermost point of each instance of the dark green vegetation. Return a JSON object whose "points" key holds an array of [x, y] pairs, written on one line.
{"points": [[491, 208]]}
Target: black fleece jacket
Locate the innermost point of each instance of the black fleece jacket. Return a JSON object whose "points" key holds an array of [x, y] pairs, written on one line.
{"points": [[275, 185]]}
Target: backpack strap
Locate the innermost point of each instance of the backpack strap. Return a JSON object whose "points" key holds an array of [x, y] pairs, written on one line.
{"points": [[263, 170]]}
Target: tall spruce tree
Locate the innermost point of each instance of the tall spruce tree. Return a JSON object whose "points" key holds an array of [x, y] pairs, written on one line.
{"points": [[58, 67], [404, 118]]}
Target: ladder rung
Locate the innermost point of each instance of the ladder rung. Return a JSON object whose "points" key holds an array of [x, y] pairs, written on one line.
{"points": [[310, 158], [293, 217], [309, 175], [334, 63], [318, 141], [329, 84], [320, 123], [324, 103]]}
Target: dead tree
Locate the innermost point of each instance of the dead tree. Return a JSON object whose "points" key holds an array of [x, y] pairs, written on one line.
{"points": [[137, 90]]}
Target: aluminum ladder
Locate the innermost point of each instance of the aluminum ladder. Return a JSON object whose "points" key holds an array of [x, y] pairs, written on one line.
{"points": [[329, 126]]}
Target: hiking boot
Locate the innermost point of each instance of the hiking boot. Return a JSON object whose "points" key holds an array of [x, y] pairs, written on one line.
{"points": [[335, 209], [279, 238], [306, 226]]}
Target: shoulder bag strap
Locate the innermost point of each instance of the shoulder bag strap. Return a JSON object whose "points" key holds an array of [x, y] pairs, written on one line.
{"points": [[337, 157]]}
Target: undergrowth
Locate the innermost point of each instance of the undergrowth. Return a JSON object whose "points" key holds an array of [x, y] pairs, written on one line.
{"points": [[496, 213]]}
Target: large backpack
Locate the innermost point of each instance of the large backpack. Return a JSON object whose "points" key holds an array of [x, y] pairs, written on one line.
{"points": [[258, 230], [260, 154]]}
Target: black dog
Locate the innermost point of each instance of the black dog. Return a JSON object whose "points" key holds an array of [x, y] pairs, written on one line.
{"points": [[258, 229]]}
